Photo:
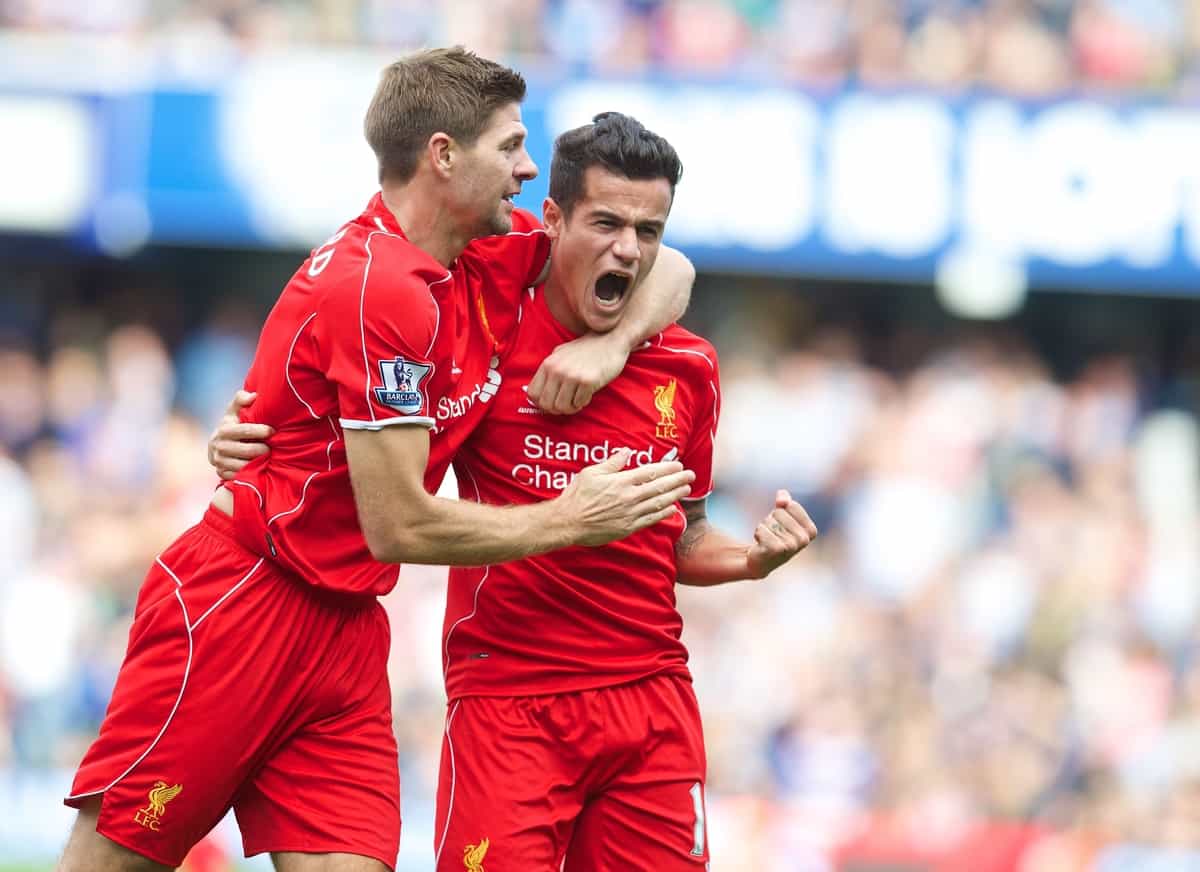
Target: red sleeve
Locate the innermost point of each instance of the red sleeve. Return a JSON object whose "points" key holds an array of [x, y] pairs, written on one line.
{"points": [[706, 398], [512, 263], [376, 331], [520, 255]]}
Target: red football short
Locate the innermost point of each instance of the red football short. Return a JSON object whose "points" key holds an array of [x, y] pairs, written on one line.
{"points": [[244, 687], [608, 780]]}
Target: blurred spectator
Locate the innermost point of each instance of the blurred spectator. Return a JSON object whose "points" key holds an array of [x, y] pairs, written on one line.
{"points": [[1028, 48], [989, 652]]}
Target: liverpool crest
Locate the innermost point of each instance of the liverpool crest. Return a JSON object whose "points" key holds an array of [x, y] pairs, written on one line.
{"points": [[664, 401], [160, 794], [473, 856]]}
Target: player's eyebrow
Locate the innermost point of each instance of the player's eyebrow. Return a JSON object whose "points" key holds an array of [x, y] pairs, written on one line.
{"points": [[513, 139], [599, 213]]}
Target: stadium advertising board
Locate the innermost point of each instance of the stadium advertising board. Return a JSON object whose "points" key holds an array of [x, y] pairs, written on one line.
{"points": [[1071, 192]]}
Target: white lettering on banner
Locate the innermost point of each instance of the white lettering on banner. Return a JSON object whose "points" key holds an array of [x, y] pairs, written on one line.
{"points": [[1077, 185], [293, 141], [49, 171], [749, 156], [889, 161], [902, 176], [1078, 175], [1167, 178], [994, 201]]}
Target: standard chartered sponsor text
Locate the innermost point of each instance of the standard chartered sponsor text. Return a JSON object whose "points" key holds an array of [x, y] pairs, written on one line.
{"points": [[539, 447], [456, 407]]}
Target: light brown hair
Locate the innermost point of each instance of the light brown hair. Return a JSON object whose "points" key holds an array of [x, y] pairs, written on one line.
{"points": [[441, 90]]}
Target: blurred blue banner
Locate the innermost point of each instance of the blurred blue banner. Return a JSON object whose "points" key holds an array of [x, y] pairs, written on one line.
{"points": [[1073, 193]]}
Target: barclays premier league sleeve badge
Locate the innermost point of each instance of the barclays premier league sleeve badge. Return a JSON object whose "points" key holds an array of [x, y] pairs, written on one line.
{"points": [[401, 384]]}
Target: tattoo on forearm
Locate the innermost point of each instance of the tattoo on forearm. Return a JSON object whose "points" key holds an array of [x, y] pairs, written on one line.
{"points": [[690, 540], [697, 526]]}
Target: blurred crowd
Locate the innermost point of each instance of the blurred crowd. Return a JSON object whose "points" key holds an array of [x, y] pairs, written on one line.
{"points": [[996, 629], [999, 620], [1024, 47]]}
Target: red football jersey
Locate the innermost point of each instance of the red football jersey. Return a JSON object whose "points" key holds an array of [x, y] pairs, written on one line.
{"points": [[581, 617], [370, 332]]}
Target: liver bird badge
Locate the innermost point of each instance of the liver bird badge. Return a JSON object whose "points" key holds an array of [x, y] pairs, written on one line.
{"points": [[473, 856], [160, 795], [664, 402]]}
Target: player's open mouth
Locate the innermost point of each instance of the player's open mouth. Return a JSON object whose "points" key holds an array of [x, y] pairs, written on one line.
{"points": [[612, 287]]}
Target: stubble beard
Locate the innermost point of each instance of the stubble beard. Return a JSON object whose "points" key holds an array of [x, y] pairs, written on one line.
{"points": [[500, 223]]}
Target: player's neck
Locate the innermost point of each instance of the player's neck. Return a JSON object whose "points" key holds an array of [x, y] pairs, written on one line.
{"points": [[556, 302], [426, 222]]}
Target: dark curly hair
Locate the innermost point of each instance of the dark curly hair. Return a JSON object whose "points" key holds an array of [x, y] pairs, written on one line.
{"points": [[616, 142]]}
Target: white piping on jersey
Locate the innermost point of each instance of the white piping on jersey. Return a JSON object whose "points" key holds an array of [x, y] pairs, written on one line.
{"points": [[450, 804], [437, 312], [287, 367], [187, 668], [380, 225], [261, 502], [374, 423], [475, 601], [699, 354], [308, 481], [437, 327], [362, 327], [716, 399], [167, 569]]}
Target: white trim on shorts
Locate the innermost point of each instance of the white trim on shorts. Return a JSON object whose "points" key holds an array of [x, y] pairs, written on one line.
{"points": [[437, 857], [187, 668]]}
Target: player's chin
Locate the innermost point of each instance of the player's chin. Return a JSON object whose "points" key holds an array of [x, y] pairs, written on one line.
{"points": [[602, 320], [500, 224]]}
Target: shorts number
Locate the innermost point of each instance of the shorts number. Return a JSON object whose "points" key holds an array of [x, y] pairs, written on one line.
{"points": [[697, 793], [324, 254]]}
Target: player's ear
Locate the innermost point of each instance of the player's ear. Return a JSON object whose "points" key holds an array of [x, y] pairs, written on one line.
{"points": [[552, 218], [441, 150]]}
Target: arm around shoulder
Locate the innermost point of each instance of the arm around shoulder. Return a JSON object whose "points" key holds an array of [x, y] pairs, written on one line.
{"points": [[567, 379], [404, 523]]}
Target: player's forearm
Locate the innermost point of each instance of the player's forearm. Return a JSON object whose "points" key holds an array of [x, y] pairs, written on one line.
{"points": [[463, 533], [661, 301], [403, 523], [705, 556]]}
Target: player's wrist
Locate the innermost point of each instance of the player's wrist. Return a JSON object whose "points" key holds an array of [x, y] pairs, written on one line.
{"points": [[625, 337], [756, 568], [554, 523]]}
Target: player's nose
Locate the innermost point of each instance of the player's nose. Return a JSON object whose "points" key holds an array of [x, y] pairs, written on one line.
{"points": [[625, 245], [525, 169]]}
